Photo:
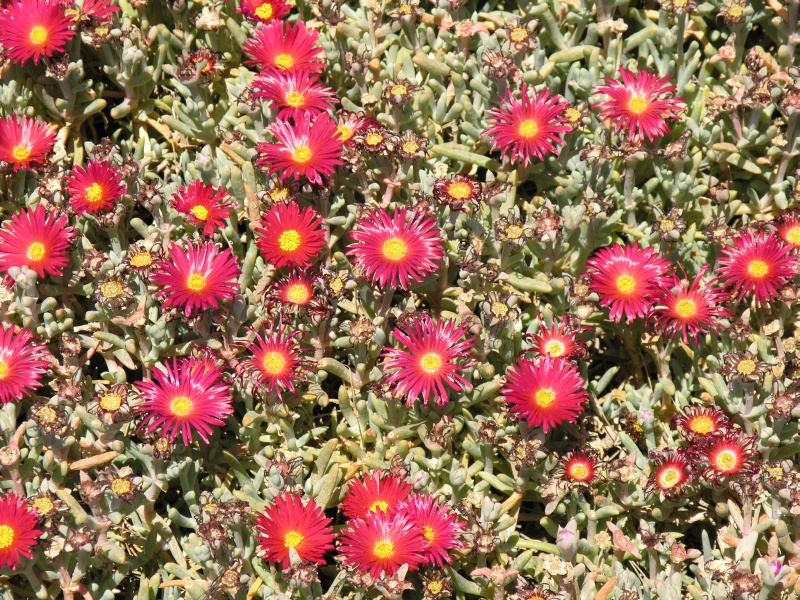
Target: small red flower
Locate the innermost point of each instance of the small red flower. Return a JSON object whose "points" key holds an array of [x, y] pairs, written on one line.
{"points": [[277, 361], [288, 524], [351, 124], [578, 469], [297, 95], [559, 340], [95, 188], [382, 544], [205, 206], [295, 291], [289, 236], [438, 524], [728, 456], [18, 533], [670, 473], [375, 493], [36, 239], [702, 421], [25, 141], [31, 29], [23, 363], [264, 11], [789, 227], [280, 46]]}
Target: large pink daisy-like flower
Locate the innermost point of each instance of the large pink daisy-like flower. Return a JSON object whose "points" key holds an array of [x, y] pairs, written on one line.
{"points": [[627, 279], [394, 250], [297, 95], [277, 361], [429, 367], [290, 236], [18, 533], [309, 149], [287, 523], [25, 141], [529, 127], [23, 362], [187, 397], [637, 104], [375, 493], [264, 11], [438, 524], [31, 29], [205, 206], [382, 544], [197, 278], [36, 239], [281, 46], [95, 188], [758, 264], [546, 392]]}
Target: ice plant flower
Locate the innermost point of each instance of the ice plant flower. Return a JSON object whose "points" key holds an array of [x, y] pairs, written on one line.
{"points": [[32, 29], [205, 206], [99, 10], [351, 124], [95, 188], [287, 524], [690, 309], [577, 470], [197, 278], [187, 397], [530, 127], [758, 264], [297, 95], [294, 291], [309, 149], [264, 11], [37, 239], [289, 236], [439, 525], [627, 279], [23, 362], [546, 392], [25, 141], [702, 421], [395, 250], [558, 341], [382, 544], [280, 46], [670, 473], [18, 531], [789, 227], [640, 104], [374, 493], [435, 351], [277, 361], [728, 456]]}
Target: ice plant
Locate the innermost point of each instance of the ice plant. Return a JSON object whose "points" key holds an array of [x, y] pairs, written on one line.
{"points": [[280, 46], [640, 104], [529, 127], [309, 148], [350, 124], [394, 250], [95, 188], [439, 525], [187, 397], [670, 473], [374, 493], [205, 206], [264, 11], [559, 340], [627, 279], [277, 361], [289, 524], [545, 392], [727, 456], [100, 10], [23, 363], [197, 278], [32, 29], [758, 264], [295, 94], [789, 227], [37, 239], [294, 291], [18, 533], [578, 469], [25, 141], [382, 544], [702, 421], [436, 351], [289, 236]]}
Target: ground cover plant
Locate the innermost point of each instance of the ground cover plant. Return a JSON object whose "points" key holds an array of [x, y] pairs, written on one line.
{"points": [[399, 299]]}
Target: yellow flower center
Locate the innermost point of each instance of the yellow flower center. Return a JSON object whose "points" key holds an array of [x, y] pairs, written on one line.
{"points": [[20, 153], [669, 477], [289, 240], [758, 268], [726, 460], [702, 425], [181, 406], [554, 348], [383, 549], [459, 190], [428, 533], [46, 415], [373, 139], [399, 90], [196, 282], [3, 369], [44, 505], [685, 308], [336, 285], [200, 212], [6, 536], [111, 402], [411, 147], [736, 11], [579, 472], [637, 105], [528, 128], [298, 293], [793, 235], [38, 35], [776, 473], [121, 486], [295, 99], [746, 367], [626, 284], [141, 260], [394, 248], [302, 154], [544, 398], [265, 11], [344, 132], [499, 309], [274, 362], [404, 9], [514, 232], [431, 362], [293, 539], [680, 3], [518, 34], [284, 61], [111, 289], [36, 251], [379, 505], [94, 193], [572, 114]]}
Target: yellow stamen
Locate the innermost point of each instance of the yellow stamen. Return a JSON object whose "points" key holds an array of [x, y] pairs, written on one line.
{"points": [[431, 362], [528, 128], [44, 505], [196, 282], [383, 549], [181, 406], [702, 425], [111, 402], [379, 505], [411, 147], [94, 193], [499, 309], [394, 249], [265, 12], [3, 369], [518, 35], [726, 460], [38, 35], [373, 139], [626, 284], [293, 540], [685, 308], [295, 99], [20, 153], [399, 90], [302, 154], [274, 363], [200, 212], [544, 398], [514, 232], [579, 472], [746, 367], [36, 251], [111, 289], [669, 477], [793, 235], [47, 415], [344, 132], [289, 241], [299, 293], [459, 190], [758, 268], [637, 105], [428, 533], [284, 61], [6, 536], [435, 587], [554, 348], [121, 486], [141, 260]]}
